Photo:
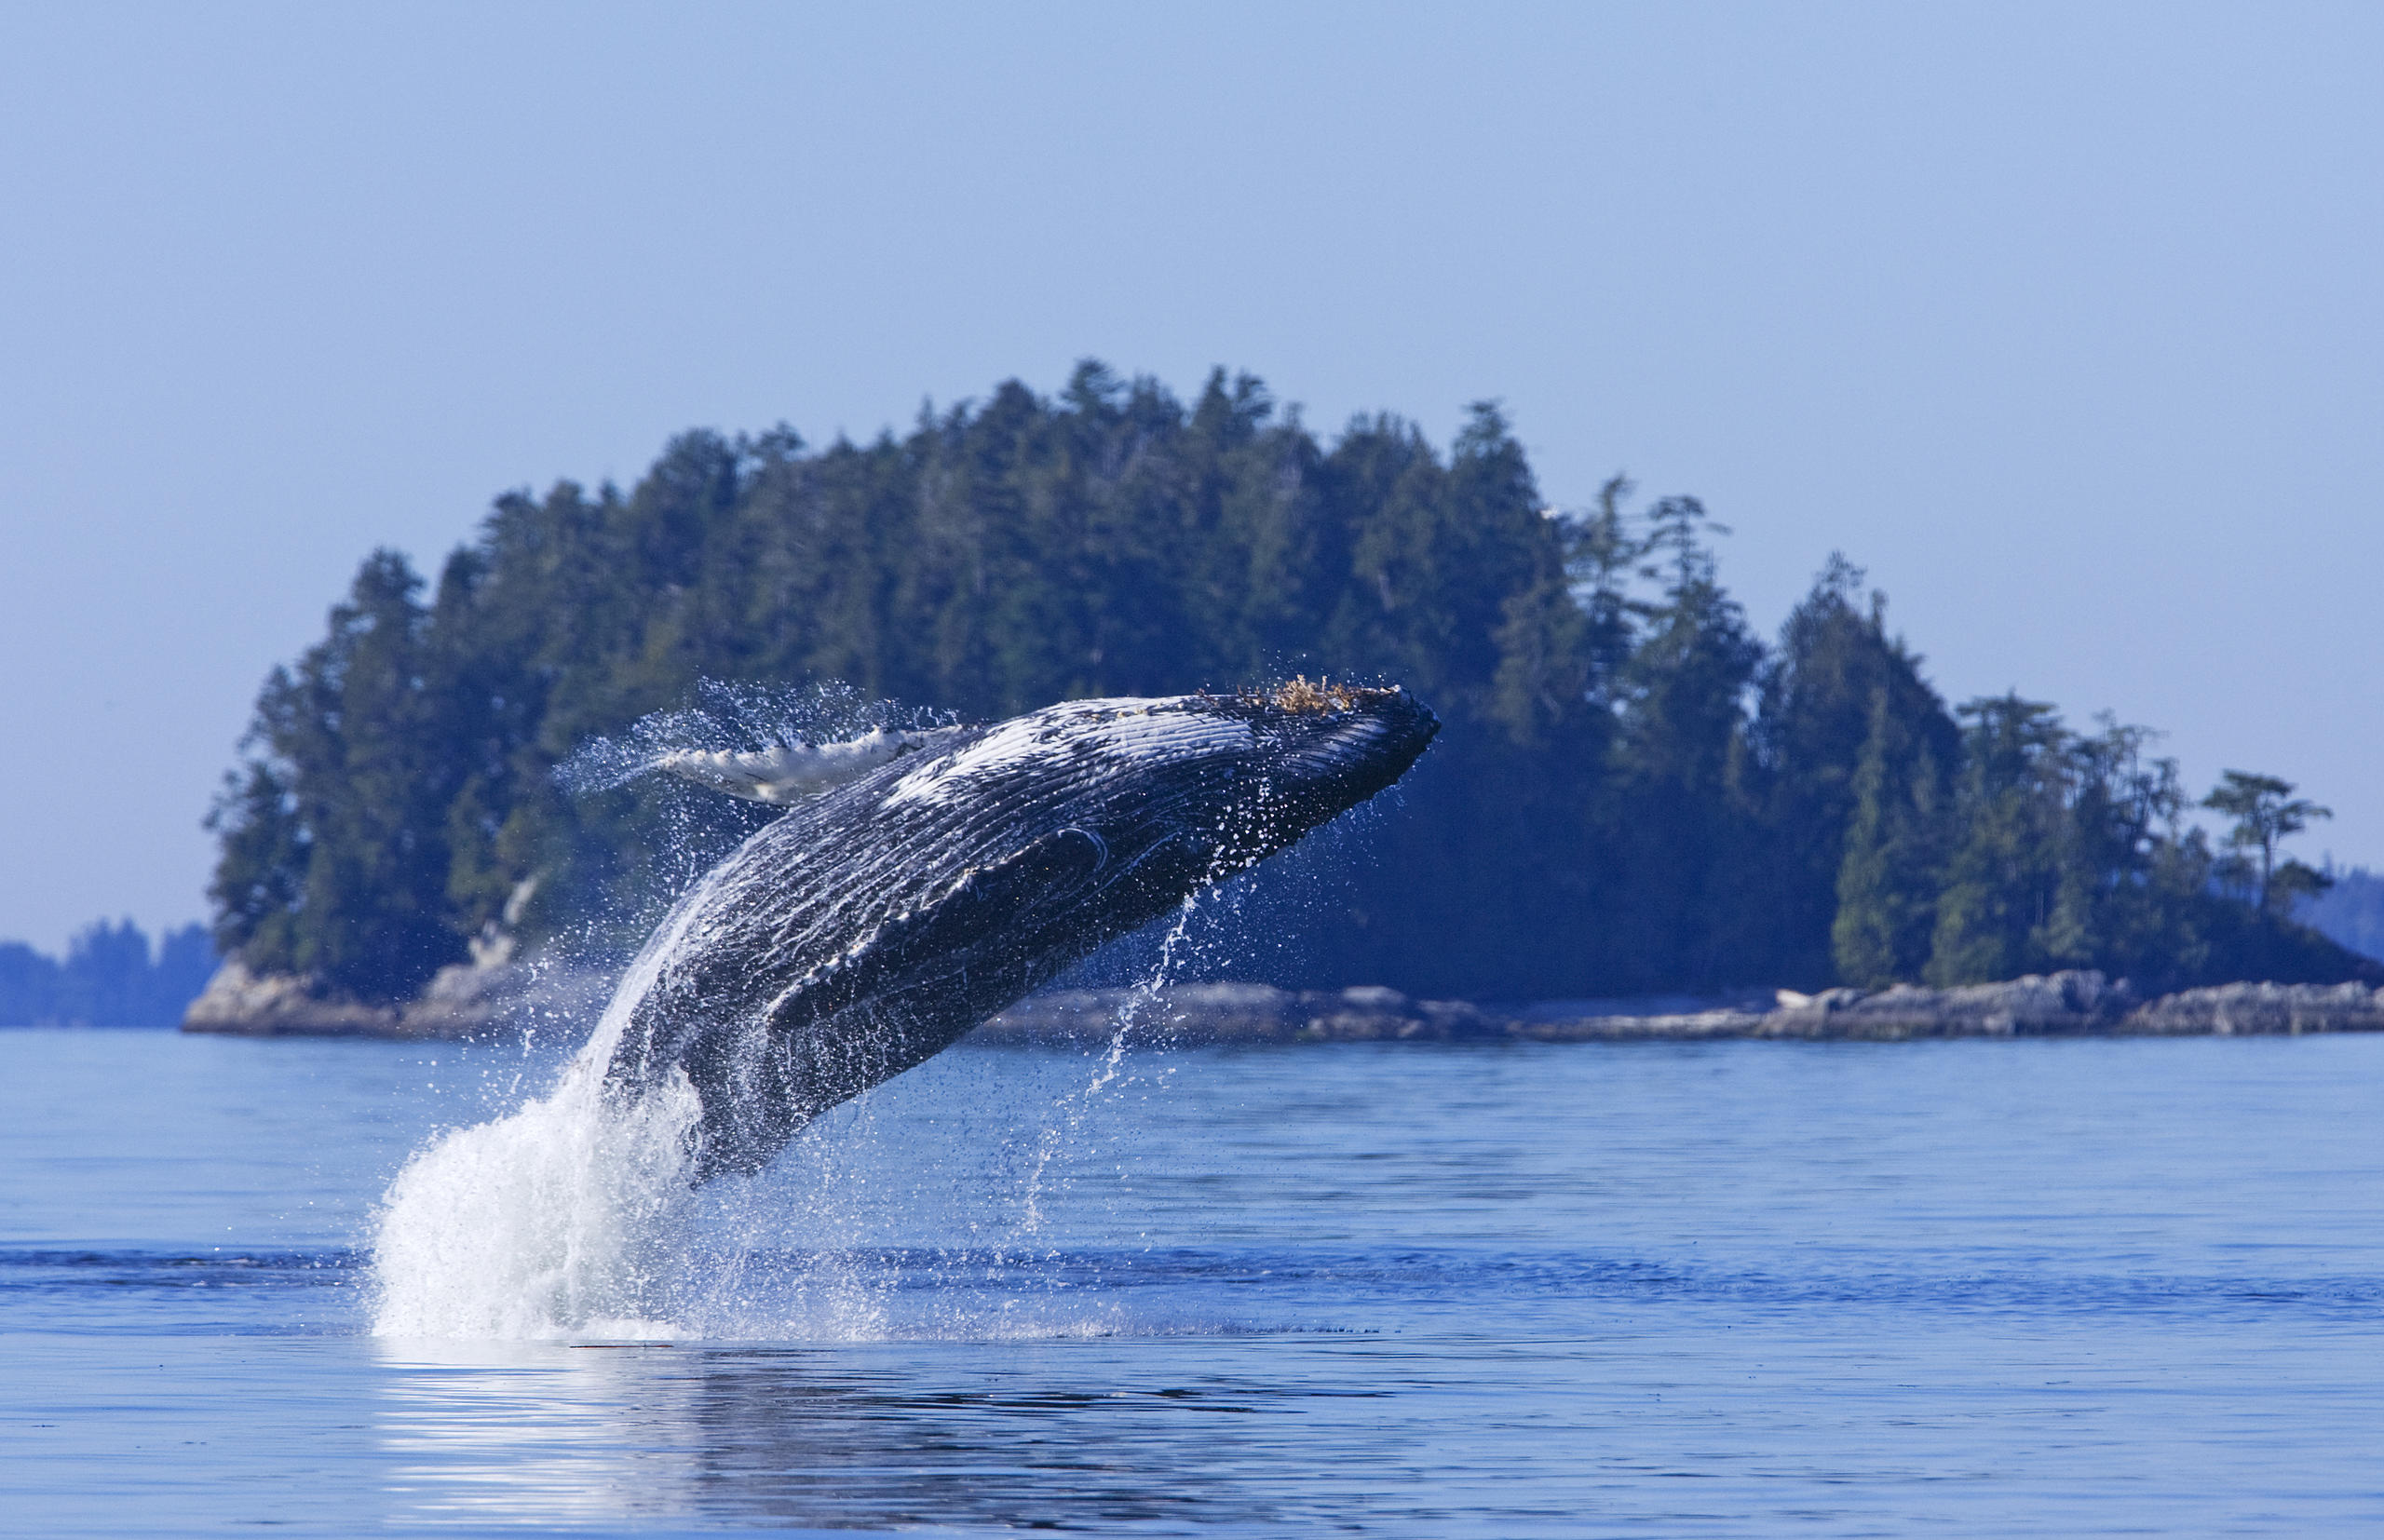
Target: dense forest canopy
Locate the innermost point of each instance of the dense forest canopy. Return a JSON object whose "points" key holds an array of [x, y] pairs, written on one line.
{"points": [[1633, 791]]}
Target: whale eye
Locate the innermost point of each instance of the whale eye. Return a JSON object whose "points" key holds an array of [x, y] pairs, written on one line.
{"points": [[1100, 846]]}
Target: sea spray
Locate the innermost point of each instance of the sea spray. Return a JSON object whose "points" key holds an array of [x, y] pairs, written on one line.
{"points": [[1139, 1001], [557, 1220], [574, 1217]]}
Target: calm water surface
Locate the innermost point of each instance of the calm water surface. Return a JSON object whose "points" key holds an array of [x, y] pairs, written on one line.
{"points": [[2114, 1287]]}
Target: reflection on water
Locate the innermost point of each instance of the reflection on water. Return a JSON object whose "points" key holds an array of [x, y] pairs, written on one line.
{"points": [[827, 1438], [1672, 1430], [531, 1439]]}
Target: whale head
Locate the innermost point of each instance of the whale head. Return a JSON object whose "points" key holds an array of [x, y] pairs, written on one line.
{"points": [[1167, 794]]}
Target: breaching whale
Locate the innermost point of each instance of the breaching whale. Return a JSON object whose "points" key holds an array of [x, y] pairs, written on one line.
{"points": [[876, 924]]}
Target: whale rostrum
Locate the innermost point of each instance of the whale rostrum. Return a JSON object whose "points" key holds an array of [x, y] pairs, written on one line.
{"points": [[921, 882]]}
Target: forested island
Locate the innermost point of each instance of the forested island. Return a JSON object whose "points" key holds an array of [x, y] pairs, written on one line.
{"points": [[1633, 792]]}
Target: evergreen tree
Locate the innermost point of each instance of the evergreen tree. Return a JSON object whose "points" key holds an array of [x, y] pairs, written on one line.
{"points": [[2004, 872], [1837, 683], [2069, 853], [2129, 887], [1680, 761], [29, 986], [106, 981], [2266, 813], [358, 774], [1894, 846]]}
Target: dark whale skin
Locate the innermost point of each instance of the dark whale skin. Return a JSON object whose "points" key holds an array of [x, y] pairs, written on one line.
{"points": [[865, 932]]}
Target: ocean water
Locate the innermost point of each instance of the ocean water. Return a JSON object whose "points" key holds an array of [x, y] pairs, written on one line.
{"points": [[1742, 1289]]}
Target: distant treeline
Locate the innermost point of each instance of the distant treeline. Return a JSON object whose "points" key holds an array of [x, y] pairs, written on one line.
{"points": [[2352, 910], [1633, 791], [110, 978]]}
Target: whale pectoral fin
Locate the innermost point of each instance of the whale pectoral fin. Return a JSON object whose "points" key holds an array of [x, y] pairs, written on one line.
{"points": [[762, 776], [792, 773]]}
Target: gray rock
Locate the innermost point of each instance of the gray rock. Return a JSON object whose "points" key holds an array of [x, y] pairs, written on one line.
{"points": [[2066, 1002], [1668, 1026], [462, 1000], [1187, 1014], [2232, 1009], [276, 1004]]}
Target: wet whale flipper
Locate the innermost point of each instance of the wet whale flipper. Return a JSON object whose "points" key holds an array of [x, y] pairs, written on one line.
{"points": [[785, 774]]}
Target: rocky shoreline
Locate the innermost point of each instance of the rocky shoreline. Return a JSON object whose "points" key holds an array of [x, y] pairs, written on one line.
{"points": [[462, 1000], [465, 1000], [2076, 1003]]}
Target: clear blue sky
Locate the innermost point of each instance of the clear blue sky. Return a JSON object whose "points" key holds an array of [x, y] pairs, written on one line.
{"points": [[2066, 322]]}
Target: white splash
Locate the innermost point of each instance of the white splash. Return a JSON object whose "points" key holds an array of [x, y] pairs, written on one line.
{"points": [[559, 1219], [554, 1222]]}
